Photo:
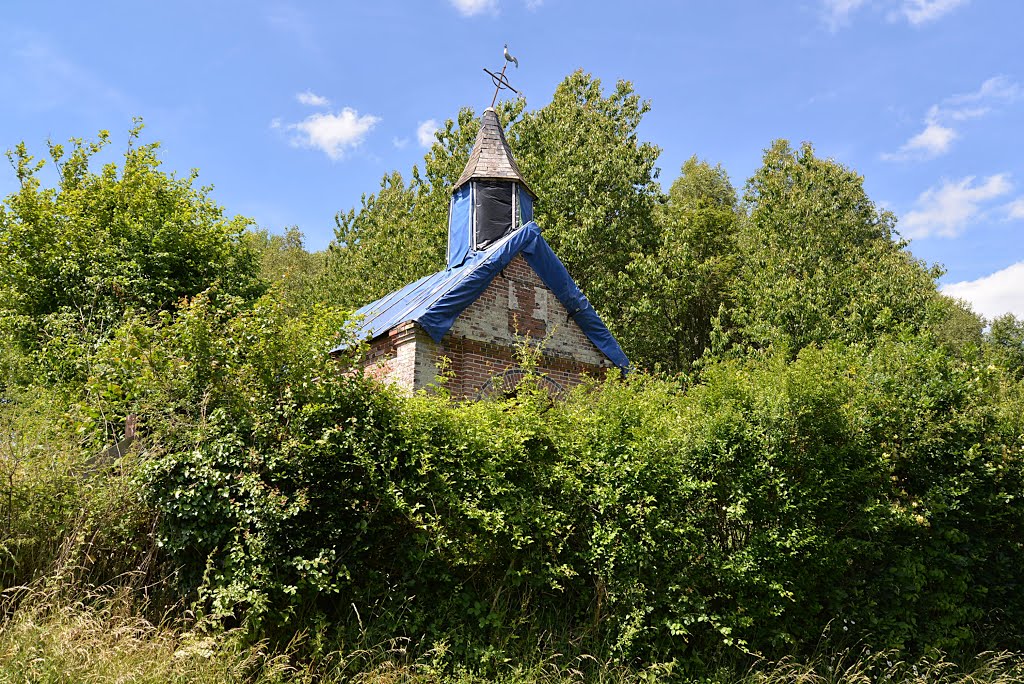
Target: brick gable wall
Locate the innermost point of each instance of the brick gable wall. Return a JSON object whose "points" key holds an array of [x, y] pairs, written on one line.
{"points": [[482, 342]]}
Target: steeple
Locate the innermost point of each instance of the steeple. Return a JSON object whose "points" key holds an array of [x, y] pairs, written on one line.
{"points": [[491, 159], [491, 198]]}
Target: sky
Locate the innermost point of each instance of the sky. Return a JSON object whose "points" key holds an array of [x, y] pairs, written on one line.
{"points": [[293, 110]]}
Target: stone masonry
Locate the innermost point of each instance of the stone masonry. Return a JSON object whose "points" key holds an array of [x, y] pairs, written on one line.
{"points": [[516, 307]]}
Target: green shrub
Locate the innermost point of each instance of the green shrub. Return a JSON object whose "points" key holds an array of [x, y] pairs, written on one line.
{"points": [[876, 491], [873, 491]]}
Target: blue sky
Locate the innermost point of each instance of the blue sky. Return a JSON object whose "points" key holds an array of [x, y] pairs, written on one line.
{"points": [[292, 110]]}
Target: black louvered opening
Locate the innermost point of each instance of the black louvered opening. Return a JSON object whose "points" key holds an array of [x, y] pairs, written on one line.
{"points": [[493, 205]]}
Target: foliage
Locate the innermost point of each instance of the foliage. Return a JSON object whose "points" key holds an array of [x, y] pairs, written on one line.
{"points": [[1005, 341], [400, 233], [580, 153], [873, 487], [64, 508], [78, 255], [819, 262], [676, 289], [39, 490], [384, 246], [297, 275], [596, 182], [955, 325], [852, 476], [102, 637]]}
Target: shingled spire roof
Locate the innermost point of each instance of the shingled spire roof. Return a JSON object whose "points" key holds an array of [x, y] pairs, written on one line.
{"points": [[491, 159]]}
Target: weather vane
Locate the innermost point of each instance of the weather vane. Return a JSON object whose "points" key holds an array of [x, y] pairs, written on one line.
{"points": [[499, 80]]}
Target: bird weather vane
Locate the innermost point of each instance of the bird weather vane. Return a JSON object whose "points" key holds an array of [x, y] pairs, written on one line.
{"points": [[499, 80]]}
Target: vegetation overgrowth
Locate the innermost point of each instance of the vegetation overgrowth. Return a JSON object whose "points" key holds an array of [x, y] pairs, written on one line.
{"points": [[813, 473]]}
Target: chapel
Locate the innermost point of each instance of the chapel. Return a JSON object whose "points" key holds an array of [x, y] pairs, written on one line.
{"points": [[502, 287]]}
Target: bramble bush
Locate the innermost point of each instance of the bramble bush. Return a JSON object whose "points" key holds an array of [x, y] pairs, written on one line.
{"points": [[872, 493]]}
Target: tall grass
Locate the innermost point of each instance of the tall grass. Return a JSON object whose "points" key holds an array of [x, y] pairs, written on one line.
{"points": [[102, 637], [863, 667]]}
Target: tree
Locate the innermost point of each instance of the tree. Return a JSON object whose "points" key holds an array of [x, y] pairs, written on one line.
{"points": [[287, 267], [383, 246], [595, 180], [596, 183], [676, 289], [1005, 342], [399, 233], [819, 260], [78, 255]]}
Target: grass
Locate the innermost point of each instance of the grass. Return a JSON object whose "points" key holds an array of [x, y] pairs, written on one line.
{"points": [[885, 667], [103, 638]]}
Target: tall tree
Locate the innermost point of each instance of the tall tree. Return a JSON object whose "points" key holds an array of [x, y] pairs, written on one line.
{"points": [[595, 179], [820, 261], [676, 289], [382, 246], [298, 276], [400, 233], [596, 182], [1005, 342]]}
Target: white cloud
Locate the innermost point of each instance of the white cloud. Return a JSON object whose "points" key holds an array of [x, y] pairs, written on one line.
{"points": [[922, 11], [837, 12], [939, 134], [333, 133], [311, 99], [1015, 210], [946, 211], [425, 132], [967, 113], [399, 143], [995, 88], [993, 295], [933, 141], [469, 8]]}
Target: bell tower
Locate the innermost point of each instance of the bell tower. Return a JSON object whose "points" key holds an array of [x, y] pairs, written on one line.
{"points": [[503, 285], [491, 199]]}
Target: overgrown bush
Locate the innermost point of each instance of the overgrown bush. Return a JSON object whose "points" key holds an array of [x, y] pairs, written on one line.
{"points": [[164, 428], [874, 492], [104, 241]]}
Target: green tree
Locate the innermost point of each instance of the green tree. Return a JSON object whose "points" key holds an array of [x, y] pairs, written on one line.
{"points": [[596, 183], [382, 246], [400, 233], [676, 289], [1005, 342], [955, 326], [299, 276], [581, 154], [78, 255], [820, 261]]}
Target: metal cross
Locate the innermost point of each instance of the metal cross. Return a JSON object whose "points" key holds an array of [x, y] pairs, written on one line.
{"points": [[500, 81]]}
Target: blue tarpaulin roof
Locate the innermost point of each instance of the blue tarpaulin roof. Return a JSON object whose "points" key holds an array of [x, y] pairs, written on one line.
{"points": [[437, 300]]}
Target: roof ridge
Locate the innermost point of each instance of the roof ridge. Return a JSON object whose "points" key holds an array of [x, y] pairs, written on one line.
{"points": [[435, 301]]}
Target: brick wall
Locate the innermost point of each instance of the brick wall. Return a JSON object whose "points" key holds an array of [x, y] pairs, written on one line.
{"points": [[481, 344]]}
